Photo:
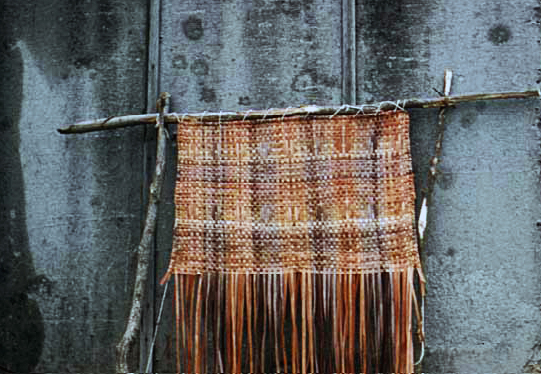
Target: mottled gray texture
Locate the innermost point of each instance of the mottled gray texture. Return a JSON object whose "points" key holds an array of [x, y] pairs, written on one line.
{"points": [[482, 253], [70, 206], [393, 49], [250, 54], [482, 256]]}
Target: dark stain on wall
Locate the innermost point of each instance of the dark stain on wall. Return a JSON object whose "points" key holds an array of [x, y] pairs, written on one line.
{"points": [[21, 322], [200, 67], [88, 25], [193, 27], [440, 361], [289, 7], [179, 62], [69, 36], [303, 82], [499, 34], [244, 100], [207, 94], [468, 118], [395, 36], [445, 178], [269, 28], [80, 30], [311, 77]]}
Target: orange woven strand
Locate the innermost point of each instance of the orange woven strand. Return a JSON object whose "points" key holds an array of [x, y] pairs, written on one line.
{"points": [[294, 249], [249, 326], [178, 321]]}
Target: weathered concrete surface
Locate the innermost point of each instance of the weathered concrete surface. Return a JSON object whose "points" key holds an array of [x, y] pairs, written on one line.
{"points": [[70, 205], [482, 256], [250, 54], [392, 49]]}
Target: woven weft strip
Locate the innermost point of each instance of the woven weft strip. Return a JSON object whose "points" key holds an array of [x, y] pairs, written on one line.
{"points": [[294, 246]]}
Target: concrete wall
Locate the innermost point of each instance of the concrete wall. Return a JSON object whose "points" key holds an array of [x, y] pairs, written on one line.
{"points": [[70, 207]]}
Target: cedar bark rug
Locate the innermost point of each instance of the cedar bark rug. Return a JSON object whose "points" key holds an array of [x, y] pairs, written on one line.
{"points": [[294, 247]]}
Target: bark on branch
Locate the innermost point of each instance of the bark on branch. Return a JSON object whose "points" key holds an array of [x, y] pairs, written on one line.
{"points": [[143, 249], [142, 119]]}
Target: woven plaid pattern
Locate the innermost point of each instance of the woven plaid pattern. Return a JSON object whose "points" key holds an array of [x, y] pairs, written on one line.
{"points": [[315, 194]]}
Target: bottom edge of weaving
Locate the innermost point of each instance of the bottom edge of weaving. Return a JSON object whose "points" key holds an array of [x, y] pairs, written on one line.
{"points": [[297, 322]]}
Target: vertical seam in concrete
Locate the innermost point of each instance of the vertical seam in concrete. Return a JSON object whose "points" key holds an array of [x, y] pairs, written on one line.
{"points": [[348, 53], [153, 71], [153, 54]]}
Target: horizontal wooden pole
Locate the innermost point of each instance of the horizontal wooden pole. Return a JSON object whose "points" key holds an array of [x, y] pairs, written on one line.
{"points": [[144, 119]]}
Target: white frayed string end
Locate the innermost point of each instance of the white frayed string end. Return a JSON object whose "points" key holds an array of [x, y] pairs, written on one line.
{"points": [[345, 106], [285, 112], [267, 113]]}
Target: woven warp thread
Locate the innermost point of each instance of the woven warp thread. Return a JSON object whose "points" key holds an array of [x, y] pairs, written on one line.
{"points": [[294, 246]]}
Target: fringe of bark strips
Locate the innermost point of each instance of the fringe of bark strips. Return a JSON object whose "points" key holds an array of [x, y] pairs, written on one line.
{"points": [[296, 322]]}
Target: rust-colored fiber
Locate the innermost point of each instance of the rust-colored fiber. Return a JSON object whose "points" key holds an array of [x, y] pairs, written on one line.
{"points": [[294, 247]]}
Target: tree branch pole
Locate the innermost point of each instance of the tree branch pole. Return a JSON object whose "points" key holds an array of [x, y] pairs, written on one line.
{"points": [[143, 249], [426, 193], [434, 160], [145, 119]]}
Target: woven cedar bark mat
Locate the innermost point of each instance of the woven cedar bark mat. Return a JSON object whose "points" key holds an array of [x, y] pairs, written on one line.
{"points": [[294, 247]]}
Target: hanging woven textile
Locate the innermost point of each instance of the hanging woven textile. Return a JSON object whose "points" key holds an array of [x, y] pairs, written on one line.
{"points": [[294, 247]]}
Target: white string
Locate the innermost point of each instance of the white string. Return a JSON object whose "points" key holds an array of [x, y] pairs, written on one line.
{"points": [[267, 113], [399, 104], [361, 109], [378, 109], [310, 109], [149, 359], [345, 106], [285, 112], [367, 105], [246, 114], [220, 118], [396, 104]]}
